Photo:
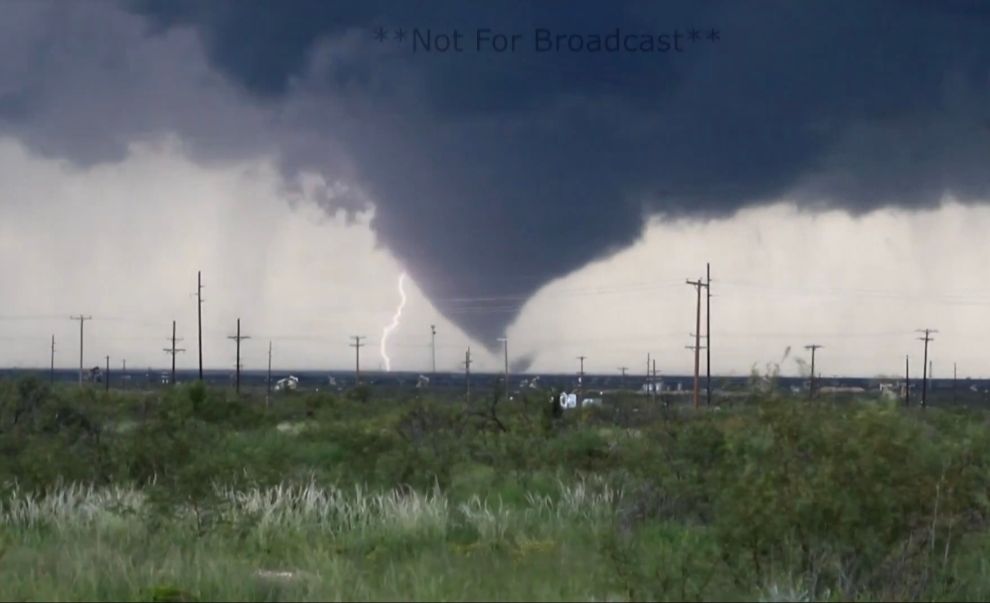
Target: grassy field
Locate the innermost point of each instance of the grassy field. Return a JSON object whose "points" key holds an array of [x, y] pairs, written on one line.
{"points": [[194, 494]]}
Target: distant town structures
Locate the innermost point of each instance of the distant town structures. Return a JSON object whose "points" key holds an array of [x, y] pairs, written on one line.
{"points": [[289, 383], [652, 387], [571, 400], [533, 383]]}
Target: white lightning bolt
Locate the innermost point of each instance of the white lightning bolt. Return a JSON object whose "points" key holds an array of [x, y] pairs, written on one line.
{"points": [[395, 323]]}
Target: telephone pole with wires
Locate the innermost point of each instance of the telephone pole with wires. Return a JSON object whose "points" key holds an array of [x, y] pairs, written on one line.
{"points": [[622, 379], [698, 284], [505, 347], [581, 374], [82, 320], [649, 379], [924, 367], [199, 319], [811, 382], [268, 381], [907, 380], [174, 350], [467, 375], [655, 385], [237, 338], [433, 348], [708, 333], [357, 345]]}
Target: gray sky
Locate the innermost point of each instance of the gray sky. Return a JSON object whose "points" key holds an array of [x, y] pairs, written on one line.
{"points": [[829, 162]]}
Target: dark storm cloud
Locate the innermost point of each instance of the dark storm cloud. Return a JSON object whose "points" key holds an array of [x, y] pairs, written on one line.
{"points": [[494, 173]]}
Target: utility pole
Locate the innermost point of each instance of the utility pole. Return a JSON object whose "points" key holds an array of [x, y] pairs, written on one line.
{"points": [[199, 319], [622, 381], [433, 347], [107, 379], [581, 374], [173, 350], [51, 372], [698, 284], [123, 373], [654, 389], [82, 320], [954, 375], [357, 345], [268, 383], [505, 347], [924, 366], [907, 380], [708, 333], [649, 380], [237, 338], [811, 382], [467, 375]]}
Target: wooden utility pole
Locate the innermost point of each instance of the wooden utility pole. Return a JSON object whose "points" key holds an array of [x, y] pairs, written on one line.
{"points": [[467, 375], [622, 380], [954, 375], [237, 338], [649, 379], [123, 373], [199, 319], [51, 372], [708, 333], [924, 366], [107, 378], [433, 349], [811, 382], [174, 350], [581, 376], [268, 382], [907, 380], [357, 345], [505, 347], [698, 284], [82, 320], [654, 380]]}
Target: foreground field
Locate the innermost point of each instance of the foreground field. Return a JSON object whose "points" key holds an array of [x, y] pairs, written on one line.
{"points": [[192, 494]]}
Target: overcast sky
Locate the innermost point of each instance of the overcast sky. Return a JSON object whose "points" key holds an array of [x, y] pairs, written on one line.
{"points": [[828, 160]]}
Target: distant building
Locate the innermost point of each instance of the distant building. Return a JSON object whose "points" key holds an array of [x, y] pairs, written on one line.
{"points": [[287, 384], [422, 382], [649, 388], [891, 390], [839, 389]]}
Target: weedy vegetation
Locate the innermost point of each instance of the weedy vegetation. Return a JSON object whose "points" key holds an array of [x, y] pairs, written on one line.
{"points": [[191, 494]]}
